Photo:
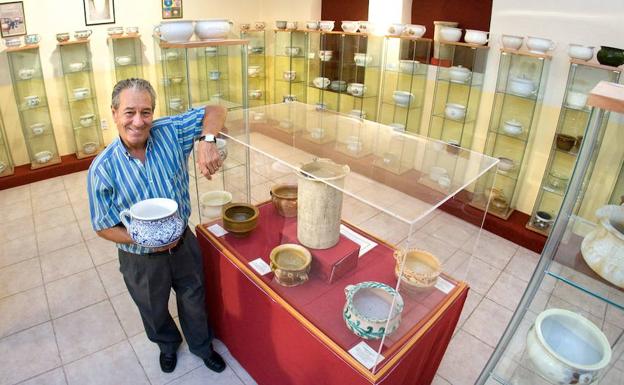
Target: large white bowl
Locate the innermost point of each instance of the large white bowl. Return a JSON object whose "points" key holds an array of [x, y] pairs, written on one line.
{"points": [[512, 41], [350, 26], [402, 98], [450, 34], [177, 31], [581, 52], [567, 348], [455, 111], [521, 87], [476, 37], [539, 45], [459, 74], [212, 29]]}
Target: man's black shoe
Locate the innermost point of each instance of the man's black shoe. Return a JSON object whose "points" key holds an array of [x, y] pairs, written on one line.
{"points": [[168, 362], [215, 362]]}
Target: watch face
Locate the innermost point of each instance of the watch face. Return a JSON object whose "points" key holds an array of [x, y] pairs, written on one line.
{"points": [[210, 138]]}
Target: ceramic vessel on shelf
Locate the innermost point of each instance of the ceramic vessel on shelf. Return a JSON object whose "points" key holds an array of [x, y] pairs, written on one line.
{"points": [[89, 148], [153, 222], [402, 98], [603, 247], [256, 50], [76, 66], [43, 157], [82, 35], [175, 103], [356, 89], [459, 74], [362, 59], [292, 51], [326, 25], [521, 86], [213, 29], [284, 198], [409, 66], [321, 82], [557, 181], [32, 100], [81, 93], [62, 37], [176, 31], [87, 120], [26, 73], [244, 26], [177, 79], [255, 94], [289, 76], [214, 75], [450, 34], [576, 99], [350, 26], [292, 25], [115, 31], [543, 220], [396, 29], [364, 26], [417, 269], [455, 111], [280, 24], [415, 30], [211, 203], [132, 30], [565, 142], [32, 39], [512, 41], [580, 52], [291, 264], [338, 85], [512, 127], [539, 45], [318, 225], [506, 164], [13, 42], [208, 51], [325, 55], [473, 36], [369, 307], [240, 218], [566, 348], [259, 25], [123, 60], [312, 25], [253, 71], [610, 56], [37, 128]]}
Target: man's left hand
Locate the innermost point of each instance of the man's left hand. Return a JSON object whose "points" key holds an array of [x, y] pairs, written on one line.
{"points": [[209, 160]]}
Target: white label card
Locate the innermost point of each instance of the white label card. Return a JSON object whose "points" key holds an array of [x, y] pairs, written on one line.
{"points": [[444, 286], [365, 355], [217, 230], [260, 266], [365, 243]]}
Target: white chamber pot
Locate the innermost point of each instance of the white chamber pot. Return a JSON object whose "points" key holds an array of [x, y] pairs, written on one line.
{"points": [[208, 51], [512, 127], [566, 348], [576, 99], [312, 25], [338, 85], [396, 29], [12, 42], [539, 45], [459, 74], [580, 52], [32, 39], [350, 26], [123, 60], [132, 30], [506, 164], [115, 31], [473, 36], [450, 34], [326, 25], [43, 156], [292, 51], [177, 31], [212, 29], [521, 86], [415, 30], [81, 35], [211, 203], [512, 41], [81, 93], [37, 128], [281, 24], [321, 82], [255, 94], [362, 59], [455, 111], [402, 98], [356, 89], [214, 75], [175, 103], [364, 26], [292, 25]]}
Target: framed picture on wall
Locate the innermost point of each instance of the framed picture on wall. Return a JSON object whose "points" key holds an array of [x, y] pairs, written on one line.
{"points": [[99, 12], [171, 9], [12, 20]]}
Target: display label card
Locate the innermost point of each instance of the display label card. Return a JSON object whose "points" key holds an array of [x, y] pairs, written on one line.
{"points": [[260, 266], [444, 286], [365, 355], [217, 230], [365, 244]]}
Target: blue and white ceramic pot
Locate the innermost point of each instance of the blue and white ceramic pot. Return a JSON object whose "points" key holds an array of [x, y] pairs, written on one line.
{"points": [[153, 222], [368, 308]]}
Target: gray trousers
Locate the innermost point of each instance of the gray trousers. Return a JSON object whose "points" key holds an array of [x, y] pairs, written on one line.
{"points": [[150, 278]]}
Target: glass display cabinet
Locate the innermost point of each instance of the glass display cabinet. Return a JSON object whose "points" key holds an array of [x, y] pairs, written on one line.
{"points": [[32, 105], [617, 196], [332, 249], [582, 77], [567, 328], [404, 82], [324, 58], [198, 73], [457, 93], [289, 65], [127, 52], [257, 68], [520, 87], [6, 161], [81, 97]]}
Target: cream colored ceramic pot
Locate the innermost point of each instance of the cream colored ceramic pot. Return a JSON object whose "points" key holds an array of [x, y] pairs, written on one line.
{"points": [[603, 248]]}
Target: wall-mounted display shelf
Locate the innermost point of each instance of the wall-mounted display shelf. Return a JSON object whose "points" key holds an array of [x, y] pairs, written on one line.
{"points": [[289, 65], [257, 66]]}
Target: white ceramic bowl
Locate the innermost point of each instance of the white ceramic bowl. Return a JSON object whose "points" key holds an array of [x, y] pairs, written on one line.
{"points": [[76, 66], [350, 26], [506, 164], [259, 25], [576, 99], [132, 30], [321, 82], [112, 31], [362, 59], [415, 30], [43, 157], [13, 42], [292, 25], [450, 34], [123, 60], [312, 25], [455, 111], [212, 29], [326, 25], [521, 87], [177, 31], [87, 120], [214, 74], [89, 147], [32, 38], [289, 76], [539, 45], [512, 127], [409, 66], [567, 348], [581, 52], [281, 24], [356, 89], [364, 26], [338, 85], [459, 74], [396, 29], [81, 93], [253, 71], [81, 35], [512, 41], [62, 37], [211, 203], [402, 98], [32, 100], [473, 36], [37, 128]]}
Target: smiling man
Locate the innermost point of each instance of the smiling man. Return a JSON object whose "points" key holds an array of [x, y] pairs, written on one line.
{"points": [[149, 159]]}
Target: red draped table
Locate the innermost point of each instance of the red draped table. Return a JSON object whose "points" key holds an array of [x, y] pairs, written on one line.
{"points": [[296, 335]]}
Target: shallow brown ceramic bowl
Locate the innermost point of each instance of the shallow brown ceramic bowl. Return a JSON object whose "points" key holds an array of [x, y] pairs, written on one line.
{"points": [[284, 197], [565, 142], [291, 264], [240, 218]]}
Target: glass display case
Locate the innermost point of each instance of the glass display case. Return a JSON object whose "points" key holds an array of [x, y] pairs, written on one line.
{"points": [[197, 73], [457, 93], [257, 68], [567, 328], [127, 52], [520, 87], [617, 196], [404, 82], [337, 240], [582, 77], [289, 65], [32, 105], [6, 160]]}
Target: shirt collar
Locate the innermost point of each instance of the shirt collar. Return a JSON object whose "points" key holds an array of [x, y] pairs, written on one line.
{"points": [[120, 147]]}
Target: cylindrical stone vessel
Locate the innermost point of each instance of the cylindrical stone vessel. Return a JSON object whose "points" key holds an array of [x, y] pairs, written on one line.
{"points": [[319, 203]]}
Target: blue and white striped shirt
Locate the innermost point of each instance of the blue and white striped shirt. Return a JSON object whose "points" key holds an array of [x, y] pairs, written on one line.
{"points": [[117, 180]]}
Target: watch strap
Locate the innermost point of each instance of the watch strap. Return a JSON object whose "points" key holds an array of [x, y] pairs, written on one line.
{"points": [[208, 138]]}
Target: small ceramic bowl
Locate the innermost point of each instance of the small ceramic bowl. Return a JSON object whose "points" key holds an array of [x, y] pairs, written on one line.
{"points": [[89, 148], [211, 203], [565, 142], [62, 37], [542, 220], [284, 198], [506, 164], [420, 271], [291, 264], [240, 218]]}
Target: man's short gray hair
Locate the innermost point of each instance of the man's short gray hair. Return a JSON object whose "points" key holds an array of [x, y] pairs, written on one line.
{"points": [[136, 84]]}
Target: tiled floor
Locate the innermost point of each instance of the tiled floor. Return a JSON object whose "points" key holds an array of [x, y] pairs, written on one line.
{"points": [[66, 317]]}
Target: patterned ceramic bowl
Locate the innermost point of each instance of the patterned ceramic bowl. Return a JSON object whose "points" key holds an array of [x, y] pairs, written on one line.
{"points": [[368, 307], [153, 222]]}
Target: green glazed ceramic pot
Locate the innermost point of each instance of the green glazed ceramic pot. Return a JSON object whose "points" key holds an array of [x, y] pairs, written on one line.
{"points": [[610, 56]]}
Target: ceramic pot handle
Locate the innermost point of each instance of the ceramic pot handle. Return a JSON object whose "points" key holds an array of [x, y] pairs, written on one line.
{"points": [[552, 45], [125, 217], [348, 289]]}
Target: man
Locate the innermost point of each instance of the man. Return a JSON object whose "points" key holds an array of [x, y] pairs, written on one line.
{"points": [[149, 159]]}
